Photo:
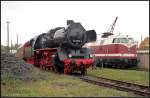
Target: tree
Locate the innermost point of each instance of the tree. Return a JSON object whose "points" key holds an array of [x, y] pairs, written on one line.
{"points": [[13, 47], [3, 48], [144, 45]]}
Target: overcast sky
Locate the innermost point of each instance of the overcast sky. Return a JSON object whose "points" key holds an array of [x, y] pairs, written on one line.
{"points": [[31, 18]]}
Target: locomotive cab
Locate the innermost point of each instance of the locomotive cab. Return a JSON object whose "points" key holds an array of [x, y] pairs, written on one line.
{"points": [[124, 40]]}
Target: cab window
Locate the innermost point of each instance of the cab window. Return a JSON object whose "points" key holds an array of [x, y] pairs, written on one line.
{"points": [[116, 40], [130, 40], [102, 41], [124, 40]]}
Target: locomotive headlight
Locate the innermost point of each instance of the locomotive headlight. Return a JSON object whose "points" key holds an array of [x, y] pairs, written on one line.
{"points": [[91, 56], [70, 55]]}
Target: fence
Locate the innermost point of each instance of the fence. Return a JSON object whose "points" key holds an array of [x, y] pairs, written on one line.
{"points": [[143, 56]]}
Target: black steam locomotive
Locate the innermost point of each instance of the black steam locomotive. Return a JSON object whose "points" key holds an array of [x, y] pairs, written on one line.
{"points": [[60, 49]]}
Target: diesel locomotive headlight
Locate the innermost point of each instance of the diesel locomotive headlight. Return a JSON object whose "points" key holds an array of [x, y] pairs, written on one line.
{"points": [[70, 55], [91, 56]]}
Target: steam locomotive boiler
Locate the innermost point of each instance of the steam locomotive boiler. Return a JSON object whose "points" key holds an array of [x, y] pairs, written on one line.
{"points": [[60, 49]]}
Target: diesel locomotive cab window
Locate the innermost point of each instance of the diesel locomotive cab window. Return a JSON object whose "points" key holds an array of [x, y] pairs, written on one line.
{"points": [[116, 40], [130, 40], [120, 40], [102, 41], [124, 40]]}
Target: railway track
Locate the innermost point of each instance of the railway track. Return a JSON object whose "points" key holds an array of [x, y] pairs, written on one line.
{"points": [[119, 85]]}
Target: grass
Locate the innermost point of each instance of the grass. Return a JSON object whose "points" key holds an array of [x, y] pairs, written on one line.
{"points": [[133, 76], [56, 85]]}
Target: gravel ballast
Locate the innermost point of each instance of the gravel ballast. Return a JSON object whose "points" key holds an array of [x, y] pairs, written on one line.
{"points": [[15, 67]]}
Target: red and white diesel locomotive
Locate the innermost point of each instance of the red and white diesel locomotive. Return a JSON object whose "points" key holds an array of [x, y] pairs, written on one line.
{"points": [[114, 51]]}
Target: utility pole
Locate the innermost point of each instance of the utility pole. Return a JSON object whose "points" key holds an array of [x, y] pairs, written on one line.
{"points": [[8, 36], [17, 41], [11, 46], [141, 38]]}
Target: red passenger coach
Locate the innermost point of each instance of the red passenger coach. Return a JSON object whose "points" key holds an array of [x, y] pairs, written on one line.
{"points": [[115, 51]]}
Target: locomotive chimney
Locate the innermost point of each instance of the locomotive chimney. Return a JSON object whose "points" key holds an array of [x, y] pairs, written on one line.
{"points": [[69, 22]]}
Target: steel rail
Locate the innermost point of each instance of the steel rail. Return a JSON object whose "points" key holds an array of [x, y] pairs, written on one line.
{"points": [[119, 85]]}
